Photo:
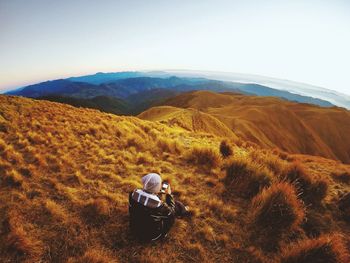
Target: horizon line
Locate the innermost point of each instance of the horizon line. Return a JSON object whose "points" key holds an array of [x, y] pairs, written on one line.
{"points": [[178, 70]]}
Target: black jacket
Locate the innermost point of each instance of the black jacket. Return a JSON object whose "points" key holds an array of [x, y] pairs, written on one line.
{"points": [[150, 218]]}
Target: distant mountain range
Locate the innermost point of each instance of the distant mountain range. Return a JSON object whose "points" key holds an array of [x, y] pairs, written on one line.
{"points": [[336, 98], [133, 92]]}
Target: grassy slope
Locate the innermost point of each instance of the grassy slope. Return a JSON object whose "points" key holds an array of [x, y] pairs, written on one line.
{"points": [[191, 119], [272, 122], [102, 103], [66, 173]]}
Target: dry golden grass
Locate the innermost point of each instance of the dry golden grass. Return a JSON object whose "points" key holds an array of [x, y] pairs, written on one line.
{"points": [[169, 146], [274, 162], [325, 249], [246, 178], [96, 212], [65, 175], [344, 206], [12, 178], [225, 149], [275, 214], [318, 222], [311, 191], [266, 121], [343, 177], [19, 243], [94, 255], [203, 156]]}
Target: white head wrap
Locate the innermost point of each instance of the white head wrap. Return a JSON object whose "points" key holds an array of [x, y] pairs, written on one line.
{"points": [[152, 183]]}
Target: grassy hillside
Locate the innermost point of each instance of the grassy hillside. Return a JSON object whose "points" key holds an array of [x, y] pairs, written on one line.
{"points": [[272, 122], [189, 119], [65, 174], [131, 105], [103, 103]]}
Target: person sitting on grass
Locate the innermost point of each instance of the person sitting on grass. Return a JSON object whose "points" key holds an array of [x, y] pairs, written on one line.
{"points": [[150, 217]]}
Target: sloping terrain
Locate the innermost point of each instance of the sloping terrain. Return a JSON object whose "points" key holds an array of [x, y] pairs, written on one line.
{"points": [[65, 175], [143, 100], [131, 105], [272, 122], [189, 119], [103, 103]]}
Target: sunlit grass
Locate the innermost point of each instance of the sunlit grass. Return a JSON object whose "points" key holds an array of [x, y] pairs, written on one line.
{"points": [[65, 175]]}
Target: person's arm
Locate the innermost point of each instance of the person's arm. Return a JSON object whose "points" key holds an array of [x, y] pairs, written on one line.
{"points": [[169, 200], [167, 208], [167, 214]]}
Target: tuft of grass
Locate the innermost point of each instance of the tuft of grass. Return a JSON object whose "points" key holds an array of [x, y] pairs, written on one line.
{"points": [[26, 172], [295, 173], [9, 154], [221, 211], [4, 127], [343, 177], [12, 179], [3, 146], [269, 159], [21, 244], [4, 167], [55, 210], [225, 149], [18, 241], [135, 141], [144, 158], [169, 146], [246, 178], [282, 154], [317, 223], [94, 255], [205, 156], [311, 192], [317, 192], [35, 138], [195, 253], [325, 249], [344, 206], [275, 213], [75, 179]]}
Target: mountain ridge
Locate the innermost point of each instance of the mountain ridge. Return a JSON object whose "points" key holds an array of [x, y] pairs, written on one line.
{"points": [[272, 122], [122, 86]]}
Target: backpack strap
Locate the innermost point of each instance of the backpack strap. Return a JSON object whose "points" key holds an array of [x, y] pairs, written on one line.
{"points": [[146, 199]]}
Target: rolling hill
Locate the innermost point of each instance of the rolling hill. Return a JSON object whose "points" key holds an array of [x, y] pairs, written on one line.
{"points": [[65, 174], [189, 119], [131, 105], [103, 103], [271, 122]]}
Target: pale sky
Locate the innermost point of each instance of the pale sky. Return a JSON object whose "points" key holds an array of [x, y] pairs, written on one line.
{"points": [[305, 41]]}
